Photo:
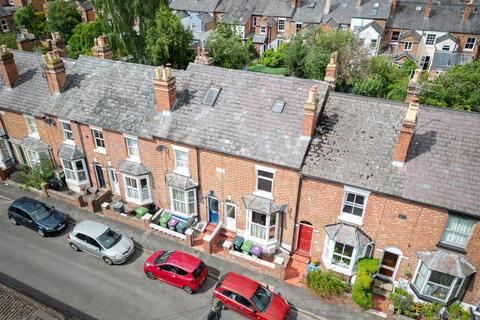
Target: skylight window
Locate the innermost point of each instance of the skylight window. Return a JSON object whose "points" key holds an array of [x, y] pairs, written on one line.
{"points": [[376, 5], [418, 8], [311, 5], [278, 106], [211, 96]]}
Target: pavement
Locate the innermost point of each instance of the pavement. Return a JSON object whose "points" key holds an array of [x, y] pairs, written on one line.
{"points": [[83, 287]]}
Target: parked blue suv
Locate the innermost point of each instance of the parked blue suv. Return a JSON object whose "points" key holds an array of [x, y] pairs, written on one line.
{"points": [[36, 215]]}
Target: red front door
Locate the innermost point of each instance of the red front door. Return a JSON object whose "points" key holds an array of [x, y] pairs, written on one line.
{"points": [[305, 233]]}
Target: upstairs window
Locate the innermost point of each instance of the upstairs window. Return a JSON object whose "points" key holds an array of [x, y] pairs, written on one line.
{"points": [[430, 41], [446, 48], [407, 46], [181, 160], [457, 231], [395, 36], [4, 24], [66, 131], [32, 126], [373, 43], [354, 203], [265, 181], [281, 25], [132, 148], [470, 43], [263, 29], [298, 26], [98, 140], [254, 22]]}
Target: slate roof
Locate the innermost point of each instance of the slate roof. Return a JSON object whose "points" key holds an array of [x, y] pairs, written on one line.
{"points": [[443, 59], [445, 17], [205, 17], [262, 205], [236, 10], [133, 168], [343, 11], [194, 5], [34, 144], [241, 122], [309, 15], [30, 93], [347, 234], [356, 140], [404, 54], [69, 152], [411, 33], [375, 27], [274, 8], [4, 13], [259, 38], [86, 5], [446, 36], [447, 262], [180, 182]]}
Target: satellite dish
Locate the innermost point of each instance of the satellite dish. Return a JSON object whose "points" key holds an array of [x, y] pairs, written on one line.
{"points": [[160, 148]]}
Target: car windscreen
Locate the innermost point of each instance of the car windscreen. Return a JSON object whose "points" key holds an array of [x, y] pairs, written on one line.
{"points": [[109, 238], [198, 271], [262, 298], [163, 257], [40, 212]]}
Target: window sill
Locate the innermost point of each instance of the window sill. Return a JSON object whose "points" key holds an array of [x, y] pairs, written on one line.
{"points": [[185, 173], [69, 142], [134, 159], [429, 299], [100, 150], [451, 248], [263, 194], [351, 219], [335, 268], [34, 135]]}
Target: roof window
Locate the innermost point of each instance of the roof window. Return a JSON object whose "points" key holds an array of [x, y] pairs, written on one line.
{"points": [[311, 5], [278, 106], [211, 96]]}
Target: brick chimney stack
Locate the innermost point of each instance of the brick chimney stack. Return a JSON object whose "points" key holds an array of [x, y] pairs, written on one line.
{"points": [[8, 67], [58, 43], [310, 115], [413, 87], [428, 9], [358, 3], [295, 3], [202, 57], [102, 49], [393, 8], [406, 133], [468, 11], [331, 71], [326, 9], [55, 72], [165, 88]]}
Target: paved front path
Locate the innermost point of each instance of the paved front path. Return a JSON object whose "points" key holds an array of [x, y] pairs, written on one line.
{"points": [[100, 291]]}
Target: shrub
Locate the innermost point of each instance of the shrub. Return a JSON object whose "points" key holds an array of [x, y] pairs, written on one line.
{"points": [[34, 177], [362, 288], [9, 39], [372, 87], [402, 300], [326, 283], [456, 312], [429, 311], [274, 59]]}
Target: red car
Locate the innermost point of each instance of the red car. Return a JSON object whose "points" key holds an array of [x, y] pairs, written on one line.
{"points": [[176, 268], [250, 298]]}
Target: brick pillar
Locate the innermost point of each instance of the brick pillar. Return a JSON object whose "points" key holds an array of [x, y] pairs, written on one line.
{"points": [[165, 89], [331, 71], [58, 43], [8, 67], [55, 72], [406, 133], [468, 11], [413, 87], [310, 113], [102, 49]]}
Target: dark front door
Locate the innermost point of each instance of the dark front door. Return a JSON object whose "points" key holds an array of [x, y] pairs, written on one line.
{"points": [[213, 210], [388, 265], [305, 233], [99, 174]]}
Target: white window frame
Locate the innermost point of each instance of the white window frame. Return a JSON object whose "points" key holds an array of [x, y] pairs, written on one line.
{"points": [[265, 241], [32, 126], [350, 217], [284, 22], [131, 156], [357, 253], [75, 172], [472, 44], [38, 156], [254, 22], [67, 133], [407, 47], [398, 37], [179, 168], [430, 39], [4, 24], [467, 236], [263, 193], [264, 30], [456, 283], [140, 200], [297, 28], [373, 43], [193, 26], [3, 159], [186, 202], [446, 47], [97, 148]]}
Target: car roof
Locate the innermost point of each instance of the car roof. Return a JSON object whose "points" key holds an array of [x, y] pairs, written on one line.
{"points": [[26, 203], [184, 261], [91, 228], [240, 284]]}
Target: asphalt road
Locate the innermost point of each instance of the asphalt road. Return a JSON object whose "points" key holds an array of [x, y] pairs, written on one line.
{"points": [[84, 287]]}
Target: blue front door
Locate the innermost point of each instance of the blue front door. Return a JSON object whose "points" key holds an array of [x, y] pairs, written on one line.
{"points": [[213, 210]]}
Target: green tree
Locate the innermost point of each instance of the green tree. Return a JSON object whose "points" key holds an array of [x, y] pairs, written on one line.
{"points": [[9, 39], [26, 17], [82, 39], [168, 41], [121, 17], [62, 17], [457, 88], [227, 48]]}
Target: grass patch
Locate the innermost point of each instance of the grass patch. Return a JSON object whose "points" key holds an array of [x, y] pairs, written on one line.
{"points": [[263, 69]]}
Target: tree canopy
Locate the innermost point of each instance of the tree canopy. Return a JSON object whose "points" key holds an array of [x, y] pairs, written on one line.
{"points": [[226, 47], [168, 41], [62, 17], [82, 39], [9, 39], [121, 17], [26, 17]]}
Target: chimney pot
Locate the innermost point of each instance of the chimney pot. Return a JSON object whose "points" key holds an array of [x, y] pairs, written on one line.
{"points": [[413, 87], [310, 115], [8, 67], [406, 133], [295, 3], [331, 71], [165, 88], [55, 72], [102, 49], [57, 43]]}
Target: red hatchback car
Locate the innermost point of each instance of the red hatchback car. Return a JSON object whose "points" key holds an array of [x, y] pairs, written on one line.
{"points": [[176, 268], [250, 298]]}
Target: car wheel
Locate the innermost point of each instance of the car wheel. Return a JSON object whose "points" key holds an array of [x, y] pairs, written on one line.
{"points": [[108, 261], [187, 289], [74, 247], [151, 276], [13, 220], [41, 233]]}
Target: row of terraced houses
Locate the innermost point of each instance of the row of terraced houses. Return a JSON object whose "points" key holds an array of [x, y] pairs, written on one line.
{"points": [[284, 162], [434, 34]]}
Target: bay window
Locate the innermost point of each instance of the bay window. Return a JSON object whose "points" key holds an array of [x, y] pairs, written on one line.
{"points": [[183, 202], [35, 157], [138, 189], [342, 255], [263, 227], [75, 170], [6, 157], [457, 231]]}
